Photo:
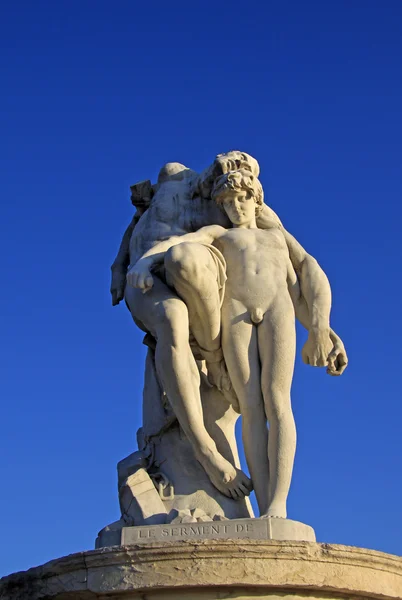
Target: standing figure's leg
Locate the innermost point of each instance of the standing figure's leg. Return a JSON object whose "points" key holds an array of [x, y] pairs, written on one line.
{"points": [[193, 272], [240, 349], [276, 342], [165, 316]]}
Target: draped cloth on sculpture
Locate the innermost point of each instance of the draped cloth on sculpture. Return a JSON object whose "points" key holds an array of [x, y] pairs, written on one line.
{"points": [[220, 263]]}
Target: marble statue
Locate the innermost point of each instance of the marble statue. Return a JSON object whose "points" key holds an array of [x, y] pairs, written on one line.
{"points": [[215, 281]]}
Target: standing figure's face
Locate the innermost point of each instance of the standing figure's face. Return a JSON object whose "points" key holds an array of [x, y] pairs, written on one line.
{"points": [[239, 207]]}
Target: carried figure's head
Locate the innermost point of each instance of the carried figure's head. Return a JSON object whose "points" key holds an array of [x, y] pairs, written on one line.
{"points": [[236, 161], [224, 163], [240, 194]]}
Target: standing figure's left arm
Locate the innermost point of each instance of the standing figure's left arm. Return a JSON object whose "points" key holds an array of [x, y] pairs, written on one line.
{"points": [[324, 346]]}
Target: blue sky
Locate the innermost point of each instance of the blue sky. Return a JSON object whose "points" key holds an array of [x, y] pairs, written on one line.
{"points": [[97, 96]]}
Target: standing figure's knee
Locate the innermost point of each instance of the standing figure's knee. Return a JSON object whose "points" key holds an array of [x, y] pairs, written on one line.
{"points": [[181, 262], [277, 404], [253, 413]]}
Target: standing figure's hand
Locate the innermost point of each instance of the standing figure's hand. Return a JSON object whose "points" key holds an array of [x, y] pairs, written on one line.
{"points": [[118, 284], [337, 359], [317, 348], [139, 276]]}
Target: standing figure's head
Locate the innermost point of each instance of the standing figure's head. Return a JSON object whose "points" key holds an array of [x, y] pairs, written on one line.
{"points": [[240, 194]]}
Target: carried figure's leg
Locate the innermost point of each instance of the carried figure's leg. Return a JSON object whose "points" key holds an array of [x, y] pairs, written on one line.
{"points": [[193, 271], [240, 349], [276, 342], [165, 316]]}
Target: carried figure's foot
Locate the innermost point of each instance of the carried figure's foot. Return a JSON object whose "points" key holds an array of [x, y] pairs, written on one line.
{"points": [[218, 374], [275, 511], [230, 481], [216, 368], [230, 396], [219, 377]]}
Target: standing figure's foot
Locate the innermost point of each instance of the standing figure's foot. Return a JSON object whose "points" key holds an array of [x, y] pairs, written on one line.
{"points": [[275, 511], [225, 477]]}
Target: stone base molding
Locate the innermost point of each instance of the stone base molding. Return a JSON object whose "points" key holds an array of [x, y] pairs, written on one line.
{"points": [[212, 570]]}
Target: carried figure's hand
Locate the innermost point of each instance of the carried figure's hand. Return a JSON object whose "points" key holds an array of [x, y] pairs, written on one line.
{"points": [[337, 358], [317, 348], [139, 276], [118, 284]]}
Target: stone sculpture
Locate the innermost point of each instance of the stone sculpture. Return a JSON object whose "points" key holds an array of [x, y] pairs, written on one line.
{"points": [[210, 274]]}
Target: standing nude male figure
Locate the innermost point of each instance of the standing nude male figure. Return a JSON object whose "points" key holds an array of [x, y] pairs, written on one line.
{"points": [[187, 297]]}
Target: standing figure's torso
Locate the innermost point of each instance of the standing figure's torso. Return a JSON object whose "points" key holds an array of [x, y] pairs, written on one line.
{"points": [[257, 263]]}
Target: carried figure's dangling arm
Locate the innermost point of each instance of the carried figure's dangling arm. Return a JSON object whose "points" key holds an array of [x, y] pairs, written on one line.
{"points": [[120, 265]]}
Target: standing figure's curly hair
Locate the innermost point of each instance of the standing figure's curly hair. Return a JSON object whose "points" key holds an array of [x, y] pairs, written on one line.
{"points": [[241, 180]]}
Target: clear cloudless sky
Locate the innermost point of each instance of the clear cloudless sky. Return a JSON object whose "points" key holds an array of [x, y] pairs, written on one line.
{"points": [[98, 95]]}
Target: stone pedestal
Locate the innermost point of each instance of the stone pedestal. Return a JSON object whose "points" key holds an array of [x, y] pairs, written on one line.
{"points": [[190, 530], [211, 570]]}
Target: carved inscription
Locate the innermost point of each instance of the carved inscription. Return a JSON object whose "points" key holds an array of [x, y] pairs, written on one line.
{"points": [[235, 529], [201, 530], [251, 529]]}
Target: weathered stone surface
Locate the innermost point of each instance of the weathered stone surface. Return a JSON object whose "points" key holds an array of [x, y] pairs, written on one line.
{"points": [[252, 529], [212, 569], [140, 501]]}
